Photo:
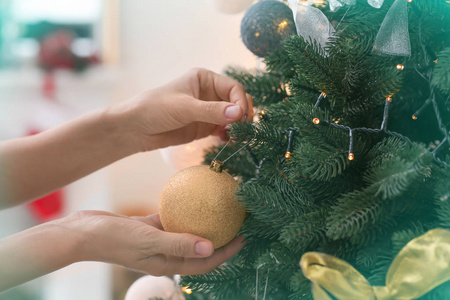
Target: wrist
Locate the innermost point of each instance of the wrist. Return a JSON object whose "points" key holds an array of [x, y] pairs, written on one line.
{"points": [[84, 227], [121, 124], [135, 120], [67, 243], [37, 251]]}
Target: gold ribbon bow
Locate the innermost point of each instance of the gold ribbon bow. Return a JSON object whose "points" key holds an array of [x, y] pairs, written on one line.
{"points": [[422, 265]]}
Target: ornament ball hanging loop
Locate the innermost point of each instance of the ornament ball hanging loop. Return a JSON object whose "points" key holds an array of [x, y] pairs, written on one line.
{"points": [[217, 165]]}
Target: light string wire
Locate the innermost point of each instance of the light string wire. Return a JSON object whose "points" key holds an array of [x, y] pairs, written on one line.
{"points": [[267, 281], [257, 270], [387, 104], [432, 100], [267, 277], [256, 285]]}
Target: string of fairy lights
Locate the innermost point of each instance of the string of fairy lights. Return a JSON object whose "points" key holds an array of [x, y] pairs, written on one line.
{"points": [[383, 128], [316, 121], [351, 156]]}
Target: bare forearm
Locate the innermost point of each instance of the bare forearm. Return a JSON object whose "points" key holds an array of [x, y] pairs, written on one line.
{"points": [[36, 252], [33, 166]]}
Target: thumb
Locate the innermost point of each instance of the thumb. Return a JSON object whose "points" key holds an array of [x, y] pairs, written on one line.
{"points": [[184, 245], [215, 112]]}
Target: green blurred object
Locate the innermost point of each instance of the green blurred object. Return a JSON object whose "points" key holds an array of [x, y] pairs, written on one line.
{"points": [[20, 293], [5, 9], [13, 30], [41, 29]]}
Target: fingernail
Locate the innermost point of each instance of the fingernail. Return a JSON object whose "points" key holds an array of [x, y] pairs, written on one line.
{"points": [[244, 118], [202, 249], [232, 112]]}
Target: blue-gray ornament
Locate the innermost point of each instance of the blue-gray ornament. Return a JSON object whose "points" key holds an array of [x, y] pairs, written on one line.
{"points": [[265, 25]]}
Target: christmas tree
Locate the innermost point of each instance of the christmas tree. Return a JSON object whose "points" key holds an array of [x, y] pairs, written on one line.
{"points": [[349, 156]]}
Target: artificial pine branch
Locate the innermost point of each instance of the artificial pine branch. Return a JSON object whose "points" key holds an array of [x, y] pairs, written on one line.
{"points": [[300, 286], [354, 212], [441, 72], [278, 62], [306, 231], [223, 283], [265, 89], [393, 177]]}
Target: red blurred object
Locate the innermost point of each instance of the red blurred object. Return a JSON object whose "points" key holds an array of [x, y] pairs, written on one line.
{"points": [[50, 206], [56, 53], [49, 85]]}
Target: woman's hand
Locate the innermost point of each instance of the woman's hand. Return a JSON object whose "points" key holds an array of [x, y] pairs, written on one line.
{"points": [[197, 104], [137, 243], [141, 244]]}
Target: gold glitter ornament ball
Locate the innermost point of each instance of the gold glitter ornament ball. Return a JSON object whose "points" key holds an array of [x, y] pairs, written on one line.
{"points": [[201, 200]]}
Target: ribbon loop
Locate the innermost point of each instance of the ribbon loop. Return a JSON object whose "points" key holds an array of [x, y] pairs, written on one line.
{"points": [[422, 265], [335, 5], [393, 36], [381, 292], [311, 23]]}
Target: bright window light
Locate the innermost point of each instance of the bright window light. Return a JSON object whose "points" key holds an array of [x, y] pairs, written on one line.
{"points": [[60, 11]]}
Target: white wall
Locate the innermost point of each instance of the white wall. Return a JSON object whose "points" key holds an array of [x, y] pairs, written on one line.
{"points": [[161, 39]]}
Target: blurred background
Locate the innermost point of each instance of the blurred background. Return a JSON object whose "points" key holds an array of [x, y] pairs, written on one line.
{"points": [[60, 59]]}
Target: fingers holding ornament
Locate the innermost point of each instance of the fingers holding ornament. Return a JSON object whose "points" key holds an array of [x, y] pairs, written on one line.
{"points": [[198, 266], [152, 220], [229, 90]]}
